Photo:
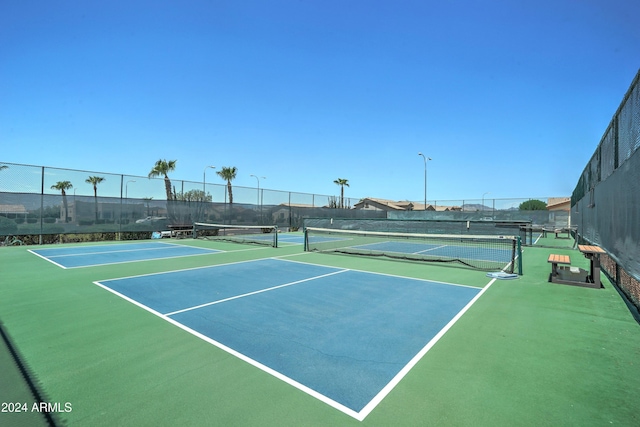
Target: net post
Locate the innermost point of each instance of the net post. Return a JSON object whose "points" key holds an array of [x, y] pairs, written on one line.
{"points": [[519, 255], [275, 237], [306, 239]]}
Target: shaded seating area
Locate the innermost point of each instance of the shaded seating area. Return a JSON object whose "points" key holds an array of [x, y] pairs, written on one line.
{"points": [[560, 232], [563, 273]]}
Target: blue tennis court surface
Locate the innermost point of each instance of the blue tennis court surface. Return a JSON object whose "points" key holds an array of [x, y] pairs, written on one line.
{"points": [[343, 336], [87, 256], [295, 238], [439, 250]]}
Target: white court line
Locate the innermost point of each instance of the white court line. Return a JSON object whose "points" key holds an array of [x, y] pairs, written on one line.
{"points": [[431, 249], [180, 270], [167, 246], [254, 292], [360, 416], [212, 252], [47, 259], [282, 258], [404, 371]]}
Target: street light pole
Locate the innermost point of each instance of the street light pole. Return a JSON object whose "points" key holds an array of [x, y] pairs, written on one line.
{"points": [[425, 178], [483, 200], [126, 189], [259, 205], [204, 179]]}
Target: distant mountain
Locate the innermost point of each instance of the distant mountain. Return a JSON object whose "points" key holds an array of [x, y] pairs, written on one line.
{"points": [[476, 207]]}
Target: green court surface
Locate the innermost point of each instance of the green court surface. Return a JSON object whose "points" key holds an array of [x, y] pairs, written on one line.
{"points": [[527, 353], [551, 240]]}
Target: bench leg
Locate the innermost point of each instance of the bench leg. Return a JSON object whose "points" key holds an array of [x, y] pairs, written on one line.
{"points": [[595, 271]]}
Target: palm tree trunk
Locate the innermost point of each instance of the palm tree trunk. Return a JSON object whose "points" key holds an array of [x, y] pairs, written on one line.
{"points": [[171, 200], [66, 206], [95, 198], [230, 192], [167, 187]]}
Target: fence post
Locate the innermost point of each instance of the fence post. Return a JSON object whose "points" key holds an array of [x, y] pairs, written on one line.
{"points": [[290, 213], [41, 206], [118, 234]]}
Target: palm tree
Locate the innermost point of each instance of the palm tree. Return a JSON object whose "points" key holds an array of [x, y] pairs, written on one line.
{"points": [[228, 174], [95, 180], [341, 182], [162, 168], [63, 186]]}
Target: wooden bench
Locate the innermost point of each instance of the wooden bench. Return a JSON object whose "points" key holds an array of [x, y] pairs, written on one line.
{"points": [[180, 230], [575, 276], [558, 259], [592, 253]]}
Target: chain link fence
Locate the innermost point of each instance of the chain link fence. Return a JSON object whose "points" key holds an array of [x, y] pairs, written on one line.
{"points": [[44, 205], [605, 204]]}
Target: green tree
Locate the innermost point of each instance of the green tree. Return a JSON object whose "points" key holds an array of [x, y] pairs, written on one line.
{"points": [[228, 174], [196, 203], [63, 186], [7, 226], [533, 205], [342, 183], [162, 168], [95, 180]]}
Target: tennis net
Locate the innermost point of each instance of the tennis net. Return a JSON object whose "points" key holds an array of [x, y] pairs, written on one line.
{"points": [[479, 252], [465, 227], [256, 234]]}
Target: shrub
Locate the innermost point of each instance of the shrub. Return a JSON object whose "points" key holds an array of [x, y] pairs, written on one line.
{"points": [[7, 226]]}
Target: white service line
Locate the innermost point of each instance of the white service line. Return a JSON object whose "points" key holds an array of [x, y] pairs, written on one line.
{"points": [[254, 292]]}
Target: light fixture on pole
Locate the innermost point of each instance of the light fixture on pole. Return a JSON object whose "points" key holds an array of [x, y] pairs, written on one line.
{"points": [[204, 178], [425, 178], [258, 179], [483, 200], [258, 201], [126, 188]]}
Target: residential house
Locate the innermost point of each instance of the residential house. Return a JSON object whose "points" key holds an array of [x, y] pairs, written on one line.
{"points": [[559, 204], [370, 203]]}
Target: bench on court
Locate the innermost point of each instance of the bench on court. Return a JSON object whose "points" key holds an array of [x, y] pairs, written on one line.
{"points": [[180, 230], [555, 259], [562, 272]]}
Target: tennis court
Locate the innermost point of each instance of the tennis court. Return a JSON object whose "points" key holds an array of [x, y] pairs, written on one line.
{"points": [[88, 256], [196, 331], [339, 334]]}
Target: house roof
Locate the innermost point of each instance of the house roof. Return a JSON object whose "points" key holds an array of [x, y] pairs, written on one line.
{"points": [[390, 204], [14, 209], [404, 205], [297, 205], [554, 202]]}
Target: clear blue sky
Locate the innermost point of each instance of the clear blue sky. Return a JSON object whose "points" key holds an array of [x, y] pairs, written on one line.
{"points": [[507, 97]]}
